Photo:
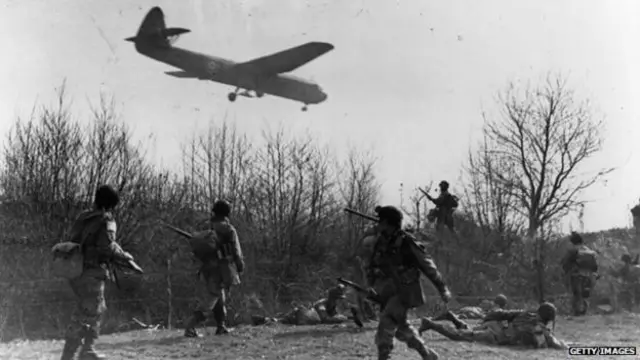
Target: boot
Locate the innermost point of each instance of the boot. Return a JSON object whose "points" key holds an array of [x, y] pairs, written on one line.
{"points": [[220, 316], [70, 348], [384, 352], [356, 317], [420, 348], [196, 319], [88, 352]]}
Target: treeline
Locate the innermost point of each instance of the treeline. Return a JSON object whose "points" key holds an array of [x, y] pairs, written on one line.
{"points": [[287, 194]]}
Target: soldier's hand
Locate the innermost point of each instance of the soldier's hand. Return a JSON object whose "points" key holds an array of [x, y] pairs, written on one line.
{"points": [[446, 295]]}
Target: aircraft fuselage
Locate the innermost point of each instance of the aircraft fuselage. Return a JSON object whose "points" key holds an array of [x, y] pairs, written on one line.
{"points": [[207, 67]]}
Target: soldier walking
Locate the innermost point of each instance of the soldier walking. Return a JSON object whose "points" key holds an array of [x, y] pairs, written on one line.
{"points": [[580, 266], [445, 206], [221, 268], [394, 275], [95, 230]]}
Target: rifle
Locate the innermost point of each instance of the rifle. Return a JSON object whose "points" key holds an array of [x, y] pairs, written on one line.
{"points": [[368, 217], [128, 264], [424, 192], [371, 296], [179, 231]]}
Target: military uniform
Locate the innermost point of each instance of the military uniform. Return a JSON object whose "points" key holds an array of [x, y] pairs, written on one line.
{"points": [[580, 279], [394, 274], [323, 311], [220, 271], [629, 275], [473, 312], [327, 308], [503, 327], [96, 231], [445, 206]]}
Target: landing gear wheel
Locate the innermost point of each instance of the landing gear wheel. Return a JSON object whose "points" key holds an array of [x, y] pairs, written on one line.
{"points": [[232, 97], [259, 94], [304, 108]]}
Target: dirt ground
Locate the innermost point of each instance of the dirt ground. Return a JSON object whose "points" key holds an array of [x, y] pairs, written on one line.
{"points": [[327, 342]]}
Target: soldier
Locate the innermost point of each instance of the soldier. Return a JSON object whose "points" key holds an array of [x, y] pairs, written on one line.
{"points": [[394, 277], [629, 274], [528, 328], [95, 230], [323, 311], [445, 206], [220, 271], [580, 266], [635, 213], [327, 308]]}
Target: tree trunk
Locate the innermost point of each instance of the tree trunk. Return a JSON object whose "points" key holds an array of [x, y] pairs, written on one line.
{"points": [[540, 269], [539, 258]]}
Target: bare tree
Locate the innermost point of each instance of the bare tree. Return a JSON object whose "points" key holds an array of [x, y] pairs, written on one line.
{"points": [[541, 142], [490, 203]]}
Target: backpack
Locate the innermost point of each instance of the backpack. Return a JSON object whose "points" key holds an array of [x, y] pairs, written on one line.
{"points": [[68, 257], [454, 201], [68, 260], [586, 259], [205, 245]]}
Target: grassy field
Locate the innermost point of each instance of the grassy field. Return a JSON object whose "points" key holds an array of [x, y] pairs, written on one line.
{"points": [[327, 342]]}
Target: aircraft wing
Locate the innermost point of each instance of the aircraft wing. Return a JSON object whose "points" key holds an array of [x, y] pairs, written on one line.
{"points": [[183, 75], [287, 60]]}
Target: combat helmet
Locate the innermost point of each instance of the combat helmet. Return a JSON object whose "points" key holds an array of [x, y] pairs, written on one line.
{"points": [[221, 208], [500, 300], [575, 238], [626, 258], [106, 197], [389, 213], [547, 312]]}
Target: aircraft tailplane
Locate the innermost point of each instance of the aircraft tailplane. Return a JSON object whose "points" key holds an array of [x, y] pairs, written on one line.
{"points": [[153, 30]]}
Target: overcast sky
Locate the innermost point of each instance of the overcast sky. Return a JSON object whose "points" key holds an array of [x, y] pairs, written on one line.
{"points": [[408, 79]]}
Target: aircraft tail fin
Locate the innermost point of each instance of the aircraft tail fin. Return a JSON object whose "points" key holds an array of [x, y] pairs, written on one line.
{"points": [[153, 30]]}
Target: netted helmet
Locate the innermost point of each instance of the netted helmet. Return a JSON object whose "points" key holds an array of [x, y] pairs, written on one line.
{"points": [[547, 312]]}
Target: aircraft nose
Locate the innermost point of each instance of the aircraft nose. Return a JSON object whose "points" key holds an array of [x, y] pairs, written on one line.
{"points": [[323, 95]]}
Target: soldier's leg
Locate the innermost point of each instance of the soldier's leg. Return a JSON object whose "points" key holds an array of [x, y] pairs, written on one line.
{"points": [[208, 296], [75, 329], [445, 330], [404, 332], [576, 295], [384, 335], [587, 285], [90, 291], [449, 316], [219, 309]]}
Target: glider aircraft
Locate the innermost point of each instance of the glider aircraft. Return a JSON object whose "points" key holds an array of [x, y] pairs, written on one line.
{"points": [[264, 75]]}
